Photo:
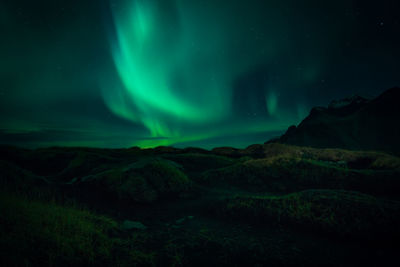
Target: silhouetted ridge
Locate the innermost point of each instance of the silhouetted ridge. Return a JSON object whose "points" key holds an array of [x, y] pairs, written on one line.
{"points": [[351, 123]]}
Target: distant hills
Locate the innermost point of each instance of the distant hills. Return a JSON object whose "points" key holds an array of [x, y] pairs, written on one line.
{"points": [[354, 123]]}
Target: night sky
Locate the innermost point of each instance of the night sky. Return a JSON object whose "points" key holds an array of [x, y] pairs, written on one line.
{"points": [[205, 73]]}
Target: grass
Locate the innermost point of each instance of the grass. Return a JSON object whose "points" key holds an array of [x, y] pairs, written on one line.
{"points": [[144, 181], [46, 233], [195, 162], [334, 211], [308, 192], [165, 177], [286, 173], [353, 159], [35, 232]]}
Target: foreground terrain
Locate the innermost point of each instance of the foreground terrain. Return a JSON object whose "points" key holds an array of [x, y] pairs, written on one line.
{"points": [[273, 204]]}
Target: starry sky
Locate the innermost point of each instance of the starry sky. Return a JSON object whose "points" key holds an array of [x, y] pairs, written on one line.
{"points": [[205, 73]]}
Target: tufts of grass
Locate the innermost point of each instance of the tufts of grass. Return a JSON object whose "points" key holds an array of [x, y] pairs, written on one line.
{"points": [[45, 233], [286, 173], [353, 159], [166, 177], [196, 162], [340, 212], [35, 233], [144, 181]]}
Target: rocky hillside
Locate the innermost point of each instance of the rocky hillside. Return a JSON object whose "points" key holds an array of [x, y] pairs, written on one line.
{"points": [[354, 123]]}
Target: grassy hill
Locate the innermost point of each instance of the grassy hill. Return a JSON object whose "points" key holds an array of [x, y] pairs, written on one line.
{"points": [[273, 204]]}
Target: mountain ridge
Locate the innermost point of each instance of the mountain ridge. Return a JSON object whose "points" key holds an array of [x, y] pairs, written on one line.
{"points": [[360, 124]]}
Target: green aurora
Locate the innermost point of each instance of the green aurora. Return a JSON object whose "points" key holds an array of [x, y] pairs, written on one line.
{"points": [[184, 73], [177, 70]]}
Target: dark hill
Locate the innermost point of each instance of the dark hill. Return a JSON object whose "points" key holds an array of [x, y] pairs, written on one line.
{"points": [[266, 205], [353, 123]]}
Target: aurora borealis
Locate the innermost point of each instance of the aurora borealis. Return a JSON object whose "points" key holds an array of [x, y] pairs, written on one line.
{"points": [[185, 73]]}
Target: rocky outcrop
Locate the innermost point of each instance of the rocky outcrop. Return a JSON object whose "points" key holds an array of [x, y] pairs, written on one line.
{"points": [[353, 123]]}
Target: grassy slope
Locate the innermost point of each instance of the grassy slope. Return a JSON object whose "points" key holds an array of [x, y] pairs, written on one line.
{"points": [[300, 194], [339, 212], [35, 232], [45, 233], [286, 169]]}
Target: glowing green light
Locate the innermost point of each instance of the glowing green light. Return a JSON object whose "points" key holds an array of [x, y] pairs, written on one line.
{"points": [[147, 65], [177, 71], [272, 103]]}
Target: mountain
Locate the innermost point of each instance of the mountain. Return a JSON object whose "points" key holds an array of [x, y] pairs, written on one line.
{"points": [[353, 123]]}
